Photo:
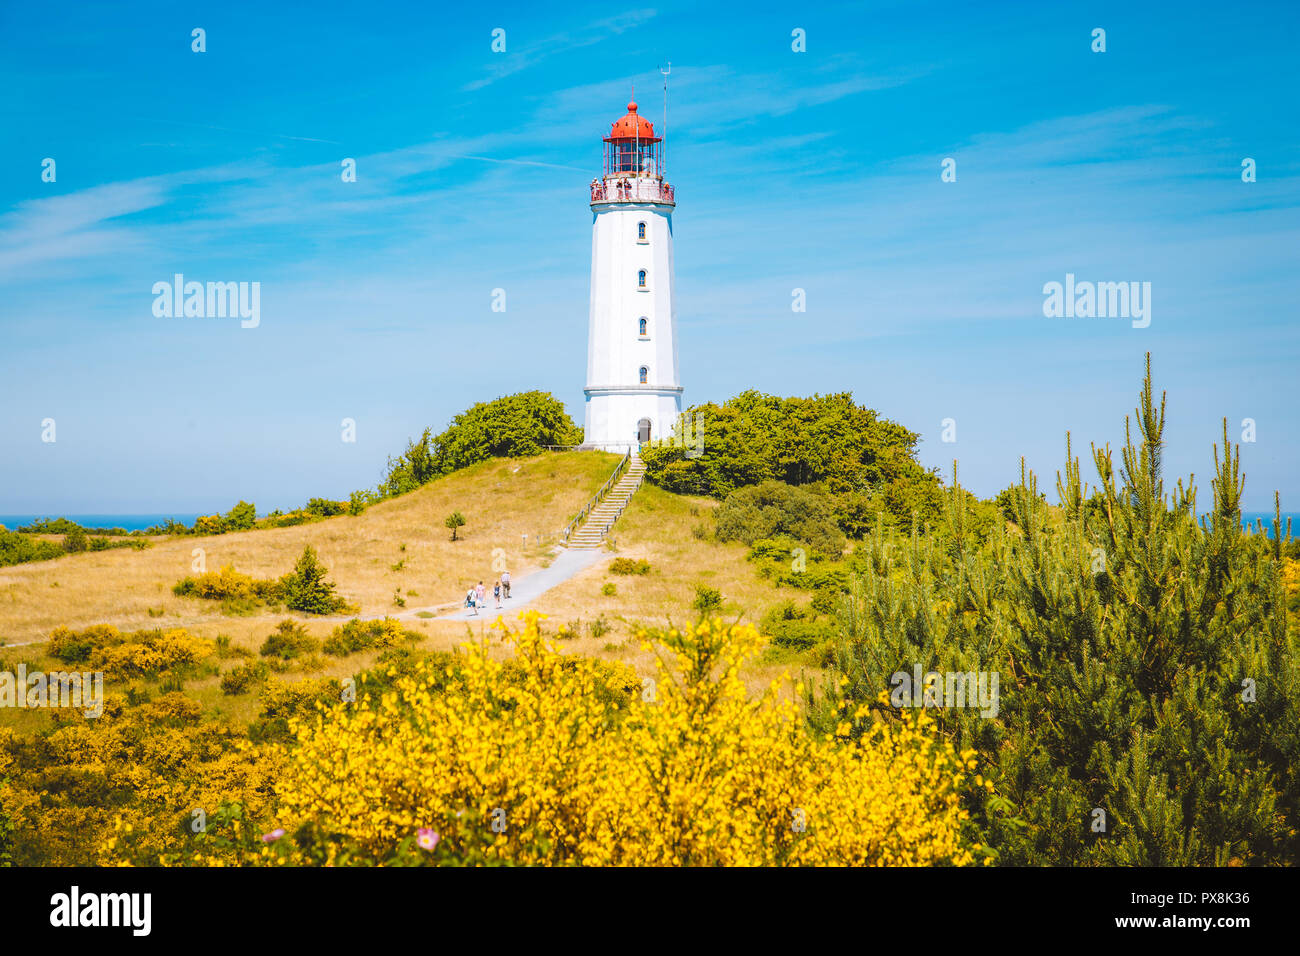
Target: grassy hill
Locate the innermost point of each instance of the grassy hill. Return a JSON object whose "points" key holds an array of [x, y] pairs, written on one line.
{"points": [[659, 527], [401, 544], [501, 499]]}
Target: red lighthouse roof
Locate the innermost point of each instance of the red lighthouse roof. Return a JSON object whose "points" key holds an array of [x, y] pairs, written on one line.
{"points": [[632, 127]]}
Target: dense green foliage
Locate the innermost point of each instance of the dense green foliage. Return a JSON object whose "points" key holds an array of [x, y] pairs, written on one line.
{"points": [[75, 541], [63, 526], [303, 589], [16, 548], [241, 517], [357, 635], [307, 590], [1145, 667], [755, 437], [773, 509], [862, 465], [511, 427], [798, 628], [20, 547], [290, 640]]}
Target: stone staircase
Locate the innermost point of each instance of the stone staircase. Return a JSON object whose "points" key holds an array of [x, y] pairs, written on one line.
{"points": [[607, 511]]}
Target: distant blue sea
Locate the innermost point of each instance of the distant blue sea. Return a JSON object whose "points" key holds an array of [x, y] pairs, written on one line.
{"points": [[140, 522], [125, 522], [1248, 517]]}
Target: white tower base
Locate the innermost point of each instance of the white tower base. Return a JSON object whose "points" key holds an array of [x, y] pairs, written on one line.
{"points": [[619, 418]]}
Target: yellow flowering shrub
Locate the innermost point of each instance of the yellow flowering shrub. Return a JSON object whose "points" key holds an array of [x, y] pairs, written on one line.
{"points": [[103, 647], [524, 761], [209, 524], [226, 583], [358, 635], [151, 652], [125, 787]]}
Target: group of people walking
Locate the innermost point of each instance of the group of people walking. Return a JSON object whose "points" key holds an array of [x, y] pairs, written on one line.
{"points": [[476, 597]]}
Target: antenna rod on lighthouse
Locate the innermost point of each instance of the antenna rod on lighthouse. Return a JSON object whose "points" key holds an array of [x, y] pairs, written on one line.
{"points": [[663, 133]]}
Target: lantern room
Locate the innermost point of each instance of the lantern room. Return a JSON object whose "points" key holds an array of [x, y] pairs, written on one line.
{"points": [[632, 148]]}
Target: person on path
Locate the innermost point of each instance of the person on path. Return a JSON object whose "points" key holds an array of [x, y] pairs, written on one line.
{"points": [[505, 584], [471, 599], [496, 592], [481, 593]]}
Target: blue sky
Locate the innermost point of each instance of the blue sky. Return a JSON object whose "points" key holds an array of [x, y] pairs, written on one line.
{"points": [[817, 170]]}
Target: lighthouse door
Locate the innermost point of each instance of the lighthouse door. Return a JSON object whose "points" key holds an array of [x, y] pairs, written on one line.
{"points": [[643, 430]]}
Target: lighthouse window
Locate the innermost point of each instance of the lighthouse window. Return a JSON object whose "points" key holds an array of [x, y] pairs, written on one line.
{"points": [[640, 232], [640, 279], [642, 326], [645, 374]]}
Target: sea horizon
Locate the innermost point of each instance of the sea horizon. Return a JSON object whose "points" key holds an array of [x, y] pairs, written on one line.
{"points": [[127, 522], [140, 522]]}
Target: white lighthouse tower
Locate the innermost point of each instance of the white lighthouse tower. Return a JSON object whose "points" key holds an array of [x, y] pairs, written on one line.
{"points": [[633, 390]]}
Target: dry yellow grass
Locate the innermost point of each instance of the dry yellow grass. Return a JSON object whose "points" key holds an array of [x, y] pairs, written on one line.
{"points": [[659, 527], [502, 500]]}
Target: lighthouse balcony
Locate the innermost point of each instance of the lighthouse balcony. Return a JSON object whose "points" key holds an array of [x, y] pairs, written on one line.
{"points": [[632, 189]]}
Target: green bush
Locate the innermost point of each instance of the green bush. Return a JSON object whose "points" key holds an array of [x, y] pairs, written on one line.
{"points": [[240, 679], [357, 635], [290, 640], [629, 566], [773, 549], [108, 544], [707, 600], [515, 426], [774, 509], [75, 542], [281, 701], [241, 517], [16, 548], [307, 590], [754, 438], [63, 526], [788, 625], [1145, 668], [77, 647], [325, 508]]}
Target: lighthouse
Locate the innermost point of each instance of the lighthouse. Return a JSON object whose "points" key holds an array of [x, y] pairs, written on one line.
{"points": [[634, 392]]}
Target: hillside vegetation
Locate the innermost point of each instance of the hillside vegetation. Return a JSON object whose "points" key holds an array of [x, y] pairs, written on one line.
{"points": [[1143, 669], [400, 543]]}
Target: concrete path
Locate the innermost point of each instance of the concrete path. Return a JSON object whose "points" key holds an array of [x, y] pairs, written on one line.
{"points": [[525, 590]]}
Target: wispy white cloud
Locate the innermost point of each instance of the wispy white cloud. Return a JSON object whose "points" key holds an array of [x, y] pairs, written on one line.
{"points": [[520, 56]]}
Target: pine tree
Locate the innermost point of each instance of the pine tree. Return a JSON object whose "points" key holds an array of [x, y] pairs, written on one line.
{"points": [[1145, 668], [307, 590]]}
